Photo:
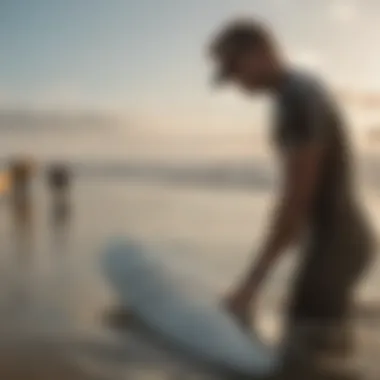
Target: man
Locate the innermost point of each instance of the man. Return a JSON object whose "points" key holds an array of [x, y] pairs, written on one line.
{"points": [[58, 178], [318, 207], [21, 171]]}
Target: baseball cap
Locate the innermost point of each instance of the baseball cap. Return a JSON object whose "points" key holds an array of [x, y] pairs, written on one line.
{"points": [[234, 39]]}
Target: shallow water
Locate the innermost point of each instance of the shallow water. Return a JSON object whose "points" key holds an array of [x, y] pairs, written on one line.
{"points": [[56, 293]]}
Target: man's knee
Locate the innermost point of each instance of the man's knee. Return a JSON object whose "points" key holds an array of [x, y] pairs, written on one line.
{"points": [[310, 338]]}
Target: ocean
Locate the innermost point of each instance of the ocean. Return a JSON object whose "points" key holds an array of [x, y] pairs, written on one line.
{"points": [[204, 221]]}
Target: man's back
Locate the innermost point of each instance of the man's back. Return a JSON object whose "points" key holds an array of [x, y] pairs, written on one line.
{"points": [[307, 112]]}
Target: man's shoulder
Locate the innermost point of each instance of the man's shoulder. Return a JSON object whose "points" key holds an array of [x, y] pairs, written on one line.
{"points": [[304, 85], [305, 109]]}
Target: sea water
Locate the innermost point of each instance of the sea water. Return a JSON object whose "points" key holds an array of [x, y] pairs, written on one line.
{"points": [[208, 236]]}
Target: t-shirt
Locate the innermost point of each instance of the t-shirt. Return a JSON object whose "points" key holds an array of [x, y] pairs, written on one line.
{"points": [[307, 113]]}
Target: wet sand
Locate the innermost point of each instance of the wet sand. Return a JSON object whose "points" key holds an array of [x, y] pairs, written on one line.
{"points": [[53, 299]]}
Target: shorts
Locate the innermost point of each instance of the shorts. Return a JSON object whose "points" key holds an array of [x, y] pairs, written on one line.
{"points": [[322, 299], [325, 282]]}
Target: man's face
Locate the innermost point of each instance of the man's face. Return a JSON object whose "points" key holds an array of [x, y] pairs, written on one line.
{"points": [[250, 71]]}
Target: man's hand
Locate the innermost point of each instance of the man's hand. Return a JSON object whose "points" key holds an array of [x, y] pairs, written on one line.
{"points": [[300, 180], [240, 304]]}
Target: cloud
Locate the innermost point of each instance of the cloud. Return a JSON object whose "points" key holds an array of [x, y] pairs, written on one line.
{"points": [[71, 98], [23, 119], [369, 100], [311, 59], [61, 106], [61, 97], [343, 11]]}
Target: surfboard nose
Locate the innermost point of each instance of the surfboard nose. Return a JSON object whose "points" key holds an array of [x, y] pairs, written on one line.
{"points": [[119, 255], [157, 296], [124, 245]]}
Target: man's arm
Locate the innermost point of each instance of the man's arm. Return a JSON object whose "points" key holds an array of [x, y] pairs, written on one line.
{"points": [[305, 122], [301, 178]]}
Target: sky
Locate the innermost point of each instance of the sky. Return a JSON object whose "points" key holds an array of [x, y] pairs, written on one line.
{"points": [[146, 58]]}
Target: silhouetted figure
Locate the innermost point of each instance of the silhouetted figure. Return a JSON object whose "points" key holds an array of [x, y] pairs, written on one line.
{"points": [[20, 172], [318, 209], [58, 180], [21, 203], [59, 183]]}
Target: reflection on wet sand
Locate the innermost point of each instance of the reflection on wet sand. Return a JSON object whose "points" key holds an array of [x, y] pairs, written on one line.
{"points": [[71, 348], [21, 206], [39, 361], [59, 186]]}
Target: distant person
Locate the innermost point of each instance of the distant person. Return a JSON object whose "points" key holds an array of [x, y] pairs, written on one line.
{"points": [[21, 205], [58, 178], [318, 207], [20, 173]]}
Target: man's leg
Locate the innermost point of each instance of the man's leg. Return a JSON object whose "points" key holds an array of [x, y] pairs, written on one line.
{"points": [[320, 311]]}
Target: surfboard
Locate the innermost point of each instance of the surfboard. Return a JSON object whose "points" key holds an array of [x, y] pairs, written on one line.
{"points": [[201, 327]]}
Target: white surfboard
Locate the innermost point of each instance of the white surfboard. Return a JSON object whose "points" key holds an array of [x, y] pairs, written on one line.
{"points": [[204, 329]]}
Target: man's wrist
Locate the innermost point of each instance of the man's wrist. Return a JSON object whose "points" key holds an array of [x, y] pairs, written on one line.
{"points": [[258, 273], [255, 279]]}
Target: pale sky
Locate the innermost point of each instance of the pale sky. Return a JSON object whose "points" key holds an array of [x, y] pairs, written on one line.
{"points": [[146, 58]]}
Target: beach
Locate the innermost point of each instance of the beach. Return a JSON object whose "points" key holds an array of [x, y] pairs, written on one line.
{"points": [[113, 127], [54, 298]]}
